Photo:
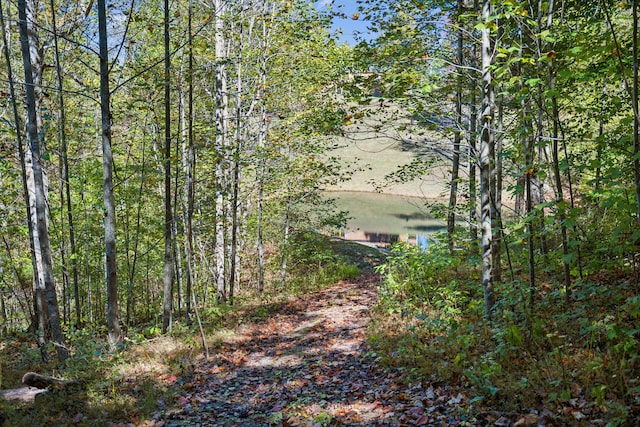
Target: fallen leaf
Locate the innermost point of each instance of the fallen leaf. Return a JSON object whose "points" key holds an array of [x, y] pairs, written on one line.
{"points": [[502, 422], [456, 400], [279, 407], [430, 394], [574, 413], [527, 420], [423, 420]]}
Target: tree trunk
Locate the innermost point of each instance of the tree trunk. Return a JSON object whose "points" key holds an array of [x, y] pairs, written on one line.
{"points": [[113, 314], [233, 271], [235, 177], [65, 170], [600, 146], [636, 114], [285, 243], [189, 160], [486, 147], [528, 145], [168, 246], [262, 137], [130, 311], [40, 205], [453, 195], [39, 306], [473, 152], [221, 98], [259, 226], [560, 202], [176, 254], [496, 202], [32, 379]]}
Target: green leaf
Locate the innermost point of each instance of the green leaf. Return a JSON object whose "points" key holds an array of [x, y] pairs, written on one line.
{"points": [[480, 26], [575, 50], [476, 399]]}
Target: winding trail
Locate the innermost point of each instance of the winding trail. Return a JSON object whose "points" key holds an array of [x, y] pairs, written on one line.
{"points": [[308, 365]]}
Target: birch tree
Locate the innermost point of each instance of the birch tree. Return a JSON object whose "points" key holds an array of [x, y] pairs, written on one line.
{"points": [[41, 223], [35, 62], [222, 126], [38, 317], [487, 142], [455, 166], [189, 164]]}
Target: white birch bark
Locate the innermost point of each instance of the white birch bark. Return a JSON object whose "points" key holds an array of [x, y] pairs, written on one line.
{"points": [[41, 220], [487, 141], [36, 73], [222, 117]]}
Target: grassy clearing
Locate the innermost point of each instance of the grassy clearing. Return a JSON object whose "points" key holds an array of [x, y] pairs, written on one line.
{"points": [[376, 154]]}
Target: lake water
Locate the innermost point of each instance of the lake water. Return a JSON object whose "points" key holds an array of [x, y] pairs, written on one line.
{"points": [[382, 219]]}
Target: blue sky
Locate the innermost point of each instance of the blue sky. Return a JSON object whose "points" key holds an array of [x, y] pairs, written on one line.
{"points": [[348, 25]]}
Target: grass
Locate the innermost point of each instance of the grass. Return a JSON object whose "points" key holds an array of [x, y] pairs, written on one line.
{"points": [[124, 386], [377, 154]]}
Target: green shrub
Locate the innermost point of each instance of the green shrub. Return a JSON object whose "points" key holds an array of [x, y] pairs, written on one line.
{"points": [[414, 280]]}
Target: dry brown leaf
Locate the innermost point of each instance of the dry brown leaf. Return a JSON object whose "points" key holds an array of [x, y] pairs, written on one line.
{"points": [[527, 420]]}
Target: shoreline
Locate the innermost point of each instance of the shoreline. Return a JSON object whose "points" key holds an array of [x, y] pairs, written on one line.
{"points": [[407, 195]]}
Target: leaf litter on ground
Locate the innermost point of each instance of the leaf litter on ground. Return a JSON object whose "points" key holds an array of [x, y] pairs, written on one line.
{"points": [[308, 364]]}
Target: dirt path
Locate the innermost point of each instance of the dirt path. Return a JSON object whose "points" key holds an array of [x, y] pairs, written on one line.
{"points": [[308, 365]]}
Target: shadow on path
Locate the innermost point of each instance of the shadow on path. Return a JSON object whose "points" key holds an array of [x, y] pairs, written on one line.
{"points": [[308, 365]]}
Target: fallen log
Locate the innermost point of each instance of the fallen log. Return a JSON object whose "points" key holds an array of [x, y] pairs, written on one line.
{"points": [[32, 379], [22, 394], [37, 386]]}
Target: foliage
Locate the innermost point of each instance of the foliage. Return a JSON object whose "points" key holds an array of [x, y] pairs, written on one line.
{"points": [[416, 279], [315, 262], [142, 379], [565, 331], [299, 61], [429, 317]]}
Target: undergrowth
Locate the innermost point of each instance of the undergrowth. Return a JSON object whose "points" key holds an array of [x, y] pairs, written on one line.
{"points": [[579, 362], [139, 382], [127, 385]]}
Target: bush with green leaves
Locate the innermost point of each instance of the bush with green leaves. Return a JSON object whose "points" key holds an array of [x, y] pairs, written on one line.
{"points": [[417, 280], [314, 261]]}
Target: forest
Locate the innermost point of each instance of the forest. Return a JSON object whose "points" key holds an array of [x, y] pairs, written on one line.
{"points": [[169, 252]]}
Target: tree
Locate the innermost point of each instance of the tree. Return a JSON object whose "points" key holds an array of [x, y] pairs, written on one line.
{"points": [[38, 298], [473, 137], [222, 129], [168, 224], [40, 204], [65, 186], [453, 195], [487, 142], [113, 315], [36, 67], [189, 164], [635, 105]]}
